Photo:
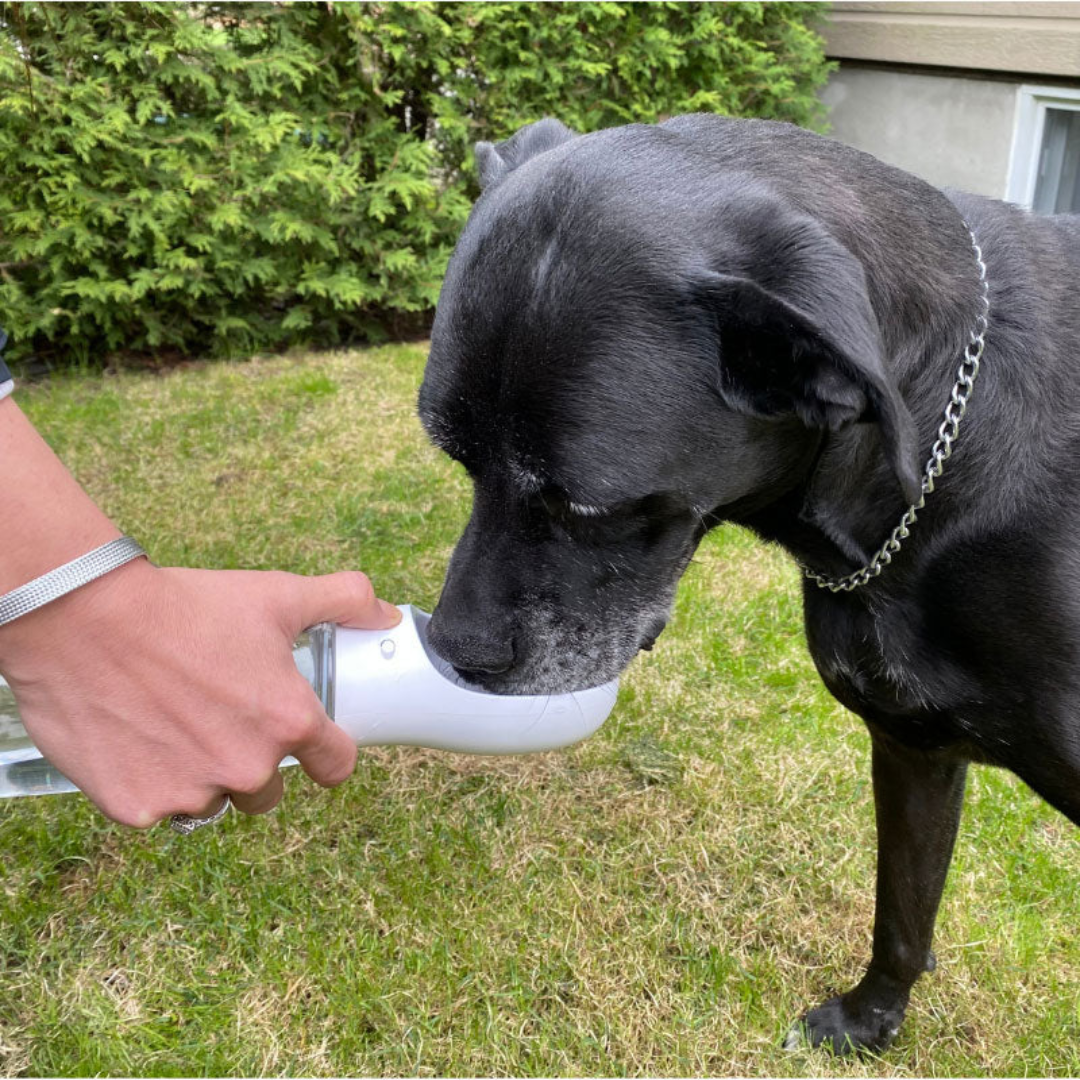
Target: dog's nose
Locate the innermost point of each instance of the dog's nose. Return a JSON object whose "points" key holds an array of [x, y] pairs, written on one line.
{"points": [[477, 650]]}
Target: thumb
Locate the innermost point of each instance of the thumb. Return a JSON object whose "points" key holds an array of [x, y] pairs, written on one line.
{"points": [[346, 597]]}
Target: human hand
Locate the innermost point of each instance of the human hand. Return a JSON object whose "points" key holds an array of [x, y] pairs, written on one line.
{"points": [[158, 690]]}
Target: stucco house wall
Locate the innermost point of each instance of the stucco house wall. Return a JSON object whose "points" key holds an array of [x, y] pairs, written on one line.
{"points": [[956, 93]]}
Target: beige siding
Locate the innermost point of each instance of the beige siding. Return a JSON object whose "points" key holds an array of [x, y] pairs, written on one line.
{"points": [[1031, 38]]}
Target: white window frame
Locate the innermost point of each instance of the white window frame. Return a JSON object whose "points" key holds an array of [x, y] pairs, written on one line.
{"points": [[1031, 105]]}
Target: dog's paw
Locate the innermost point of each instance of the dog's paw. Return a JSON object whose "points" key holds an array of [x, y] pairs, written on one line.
{"points": [[845, 1029]]}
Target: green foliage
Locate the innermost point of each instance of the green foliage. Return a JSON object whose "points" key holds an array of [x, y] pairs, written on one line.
{"points": [[220, 178]]}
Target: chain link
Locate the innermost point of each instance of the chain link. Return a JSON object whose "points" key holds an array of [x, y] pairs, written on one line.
{"points": [[940, 453]]}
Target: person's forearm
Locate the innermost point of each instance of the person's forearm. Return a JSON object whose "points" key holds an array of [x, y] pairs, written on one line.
{"points": [[45, 516], [139, 686]]}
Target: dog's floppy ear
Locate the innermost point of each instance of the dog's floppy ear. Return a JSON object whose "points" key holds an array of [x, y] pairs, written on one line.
{"points": [[495, 160], [797, 334]]}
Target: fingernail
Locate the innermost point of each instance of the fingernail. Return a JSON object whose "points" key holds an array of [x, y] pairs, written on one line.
{"points": [[390, 612]]}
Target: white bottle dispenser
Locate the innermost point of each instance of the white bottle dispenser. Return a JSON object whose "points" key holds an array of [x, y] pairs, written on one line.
{"points": [[385, 688]]}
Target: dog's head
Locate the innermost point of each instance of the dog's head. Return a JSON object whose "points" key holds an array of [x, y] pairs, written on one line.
{"points": [[628, 348]]}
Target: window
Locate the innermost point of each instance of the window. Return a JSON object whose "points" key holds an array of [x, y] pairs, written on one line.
{"points": [[1044, 173], [1056, 187]]}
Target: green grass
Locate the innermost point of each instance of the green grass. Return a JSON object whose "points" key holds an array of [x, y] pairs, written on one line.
{"points": [[664, 899]]}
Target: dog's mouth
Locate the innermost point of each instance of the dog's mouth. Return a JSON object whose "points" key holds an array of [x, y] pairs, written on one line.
{"points": [[649, 639], [547, 675], [510, 684]]}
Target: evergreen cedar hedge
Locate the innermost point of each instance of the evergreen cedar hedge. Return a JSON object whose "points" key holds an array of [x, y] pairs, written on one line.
{"points": [[214, 179]]}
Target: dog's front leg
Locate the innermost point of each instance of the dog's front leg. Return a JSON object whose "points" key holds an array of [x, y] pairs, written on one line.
{"points": [[917, 798]]}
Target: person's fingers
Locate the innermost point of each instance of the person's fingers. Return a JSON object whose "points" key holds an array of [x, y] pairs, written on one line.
{"points": [[346, 597], [263, 800], [327, 754]]}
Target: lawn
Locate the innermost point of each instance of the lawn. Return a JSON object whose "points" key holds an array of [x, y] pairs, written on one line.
{"points": [[664, 899]]}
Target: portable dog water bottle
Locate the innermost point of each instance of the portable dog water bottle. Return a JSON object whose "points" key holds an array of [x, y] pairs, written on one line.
{"points": [[385, 688]]}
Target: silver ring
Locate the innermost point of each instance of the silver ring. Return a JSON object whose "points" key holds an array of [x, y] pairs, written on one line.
{"points": [[185, 824]]}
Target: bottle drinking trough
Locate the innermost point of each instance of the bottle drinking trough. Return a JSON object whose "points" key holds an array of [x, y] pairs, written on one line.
{"points": [[385, 688]]}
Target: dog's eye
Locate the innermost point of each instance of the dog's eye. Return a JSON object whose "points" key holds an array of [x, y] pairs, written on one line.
{"points": [[586, 510], [554, 505]]}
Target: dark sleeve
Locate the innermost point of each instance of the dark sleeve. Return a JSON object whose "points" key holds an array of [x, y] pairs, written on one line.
{"points": [[5, 374]]}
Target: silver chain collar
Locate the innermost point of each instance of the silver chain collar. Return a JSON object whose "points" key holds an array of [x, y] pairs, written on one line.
{"points": [[941, 452]]}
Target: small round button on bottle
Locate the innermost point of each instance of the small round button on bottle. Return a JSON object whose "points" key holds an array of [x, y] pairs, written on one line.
{"points": [[387, 647]]}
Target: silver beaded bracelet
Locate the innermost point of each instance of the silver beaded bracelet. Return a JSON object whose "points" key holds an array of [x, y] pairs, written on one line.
{"points": [[64, 579]]}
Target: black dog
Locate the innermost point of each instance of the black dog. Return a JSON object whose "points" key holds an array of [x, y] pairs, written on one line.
{"points": [[646, 331]]}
